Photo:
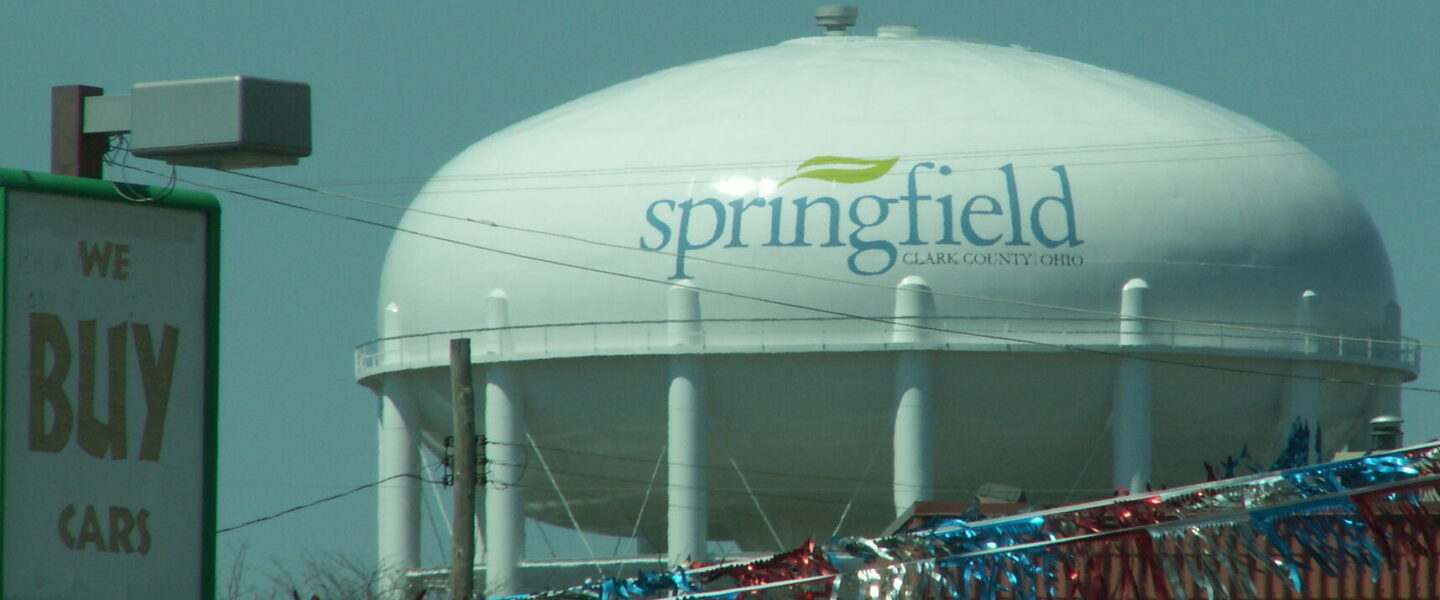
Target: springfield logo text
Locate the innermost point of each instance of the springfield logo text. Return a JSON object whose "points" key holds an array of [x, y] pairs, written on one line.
{"points": [[1022, 230]]}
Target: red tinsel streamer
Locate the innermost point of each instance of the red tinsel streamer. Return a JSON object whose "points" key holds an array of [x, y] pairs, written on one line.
{"points": [[1116, 567], [1140, 512], [1399, 521], [1425, 460], [806, 561]]}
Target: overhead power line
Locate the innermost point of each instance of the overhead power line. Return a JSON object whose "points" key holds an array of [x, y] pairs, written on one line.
{"points": [[1251, 328], [1217, 142], [617, 457], [803, 307], [320, 501], [591, 185]]}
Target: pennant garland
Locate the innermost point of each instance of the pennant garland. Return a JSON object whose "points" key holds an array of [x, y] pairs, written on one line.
{"points": [[1365, 514]]}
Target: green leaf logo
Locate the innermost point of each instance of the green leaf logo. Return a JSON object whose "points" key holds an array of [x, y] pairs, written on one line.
{"points": [[859, 170]]}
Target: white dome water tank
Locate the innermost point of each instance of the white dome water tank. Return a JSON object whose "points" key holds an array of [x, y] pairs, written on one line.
{"points": [[795, 187]]}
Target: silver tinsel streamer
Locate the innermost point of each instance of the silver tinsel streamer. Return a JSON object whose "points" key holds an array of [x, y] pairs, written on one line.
{"points": [[1214, 539]]}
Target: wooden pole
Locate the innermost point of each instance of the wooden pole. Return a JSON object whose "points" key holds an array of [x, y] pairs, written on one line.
{"points": [[462, 566], [72, 152]]}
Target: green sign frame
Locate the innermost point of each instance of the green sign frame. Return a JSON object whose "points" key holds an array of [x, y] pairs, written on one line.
{"points": [[12, 181]]}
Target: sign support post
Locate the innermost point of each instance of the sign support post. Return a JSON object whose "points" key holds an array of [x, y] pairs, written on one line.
{"points": [[72, 151]]}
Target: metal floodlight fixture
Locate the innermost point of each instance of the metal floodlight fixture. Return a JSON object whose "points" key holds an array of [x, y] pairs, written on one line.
{"points": [[235, 122]]}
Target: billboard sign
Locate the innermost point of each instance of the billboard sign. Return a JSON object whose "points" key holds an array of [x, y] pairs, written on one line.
{"points": [[108, 456]]}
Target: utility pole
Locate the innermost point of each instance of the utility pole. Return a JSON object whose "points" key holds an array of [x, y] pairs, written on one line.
{"points": [[462, 565]]}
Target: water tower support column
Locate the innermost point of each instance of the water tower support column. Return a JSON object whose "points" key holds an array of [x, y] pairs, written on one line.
{"points": [[1132, 416], [398, 498], [688, 533], [914, 458], [505, 455], [1302, 389]]}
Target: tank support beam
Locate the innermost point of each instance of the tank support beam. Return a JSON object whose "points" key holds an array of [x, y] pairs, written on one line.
{"points": [[1132, 415], [1301, 404], [399, 494], [505, 460], [913, 449], [688, 513]]}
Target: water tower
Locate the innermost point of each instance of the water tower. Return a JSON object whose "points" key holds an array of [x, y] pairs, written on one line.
{"points": [[828, 278]]}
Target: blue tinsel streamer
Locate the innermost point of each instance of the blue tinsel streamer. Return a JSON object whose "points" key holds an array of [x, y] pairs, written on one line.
{"points": [[1332, 541]]}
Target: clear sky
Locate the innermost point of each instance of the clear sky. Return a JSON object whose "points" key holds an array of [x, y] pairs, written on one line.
{"points": [[399, 88]]}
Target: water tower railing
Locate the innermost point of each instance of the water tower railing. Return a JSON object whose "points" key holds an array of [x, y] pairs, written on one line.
{"points": [[838, 333]]}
